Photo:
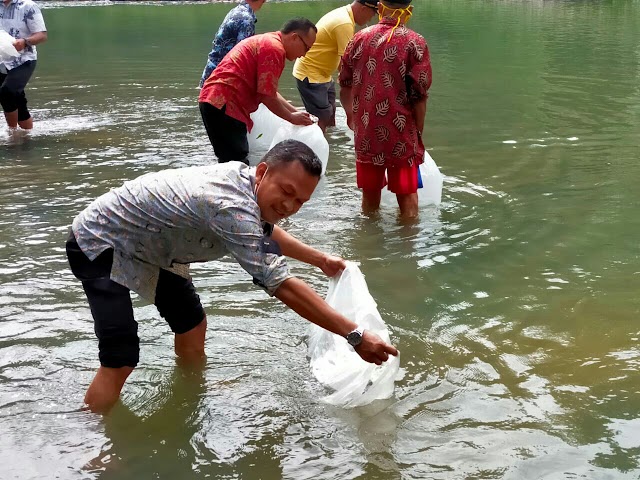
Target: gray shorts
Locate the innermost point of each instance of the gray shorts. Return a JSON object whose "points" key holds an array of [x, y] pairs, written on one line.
{"points": [[319, 99]]}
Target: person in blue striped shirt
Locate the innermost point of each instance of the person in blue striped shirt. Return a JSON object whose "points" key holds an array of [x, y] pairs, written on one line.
{"points": [[240, 23]]}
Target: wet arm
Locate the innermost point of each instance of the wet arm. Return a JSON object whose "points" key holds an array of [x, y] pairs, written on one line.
{"points": [[37, 38], [279, 106], [276, 106], [302, 299], [346, 98], [290, 107], [419, 112], [33, 39], [294, 248]]}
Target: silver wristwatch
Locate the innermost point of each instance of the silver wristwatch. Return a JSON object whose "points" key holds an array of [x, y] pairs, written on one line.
{"points": [[355, 338]]}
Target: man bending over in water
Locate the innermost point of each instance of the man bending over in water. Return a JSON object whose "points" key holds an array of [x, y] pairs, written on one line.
{"points": [[143, 235]]}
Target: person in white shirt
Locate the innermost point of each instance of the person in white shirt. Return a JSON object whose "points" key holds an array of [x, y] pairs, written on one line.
{"points": [[22, 19]]}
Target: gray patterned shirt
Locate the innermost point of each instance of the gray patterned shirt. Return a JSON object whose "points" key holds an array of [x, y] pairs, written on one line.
{"points": [[20, 19], [172, 218]]}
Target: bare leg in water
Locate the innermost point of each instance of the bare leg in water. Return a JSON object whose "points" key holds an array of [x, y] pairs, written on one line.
{"points": [[106, 386]]}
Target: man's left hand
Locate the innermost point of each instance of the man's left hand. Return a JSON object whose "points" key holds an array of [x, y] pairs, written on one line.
{"points": [[332, 265], [301, 118]]}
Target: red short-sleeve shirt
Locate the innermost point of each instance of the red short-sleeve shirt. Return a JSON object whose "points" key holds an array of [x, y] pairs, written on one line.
{"points": [[387, 76], [252, 67]]}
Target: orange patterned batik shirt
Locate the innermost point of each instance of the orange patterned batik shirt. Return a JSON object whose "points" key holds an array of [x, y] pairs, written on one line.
{"points": [[252, 68]]}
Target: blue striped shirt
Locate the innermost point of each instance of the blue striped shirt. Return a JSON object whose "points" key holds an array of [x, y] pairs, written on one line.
{"points": [[240, 23]]}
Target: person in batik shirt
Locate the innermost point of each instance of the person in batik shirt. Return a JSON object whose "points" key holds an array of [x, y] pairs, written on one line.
{"points": [[384, 77], [240, 23], [144, 235]]}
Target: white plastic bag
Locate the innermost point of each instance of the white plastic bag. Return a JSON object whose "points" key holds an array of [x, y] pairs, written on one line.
{"points": [[7, 50], [265, 125], [341, 125], [311, 135], [431, 191], [335, 363]]}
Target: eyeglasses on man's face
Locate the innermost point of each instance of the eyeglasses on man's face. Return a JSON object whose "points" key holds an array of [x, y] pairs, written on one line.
{"points": [[307, 47]]}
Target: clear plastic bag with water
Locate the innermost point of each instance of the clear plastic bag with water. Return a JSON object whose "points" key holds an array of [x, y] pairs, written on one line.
{"points": [[310, 135], [7, 50], [269, 129], [432, 179], [335, 363], [431, 191], [265, 125]]}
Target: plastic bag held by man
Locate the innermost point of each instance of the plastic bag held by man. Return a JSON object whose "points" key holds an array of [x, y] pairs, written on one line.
{"points": [[335, 363], [310, 135], [269, 129], [7, 50], [429, 187], [265, 126], [432, 179]]}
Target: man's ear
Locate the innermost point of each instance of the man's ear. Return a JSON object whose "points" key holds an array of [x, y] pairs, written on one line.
{"points": [[260, 171]]}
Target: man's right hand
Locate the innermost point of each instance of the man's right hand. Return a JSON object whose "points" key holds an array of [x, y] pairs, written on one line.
{"points": [[373, 349], [302, 299], [301, 118]]}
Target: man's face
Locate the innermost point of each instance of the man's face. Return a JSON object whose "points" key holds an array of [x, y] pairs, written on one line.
{"points": [[301, 44], [282, 190]]}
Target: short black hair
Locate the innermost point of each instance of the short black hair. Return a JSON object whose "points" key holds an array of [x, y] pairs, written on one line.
{"points": [[299, 24], [289, 151]]}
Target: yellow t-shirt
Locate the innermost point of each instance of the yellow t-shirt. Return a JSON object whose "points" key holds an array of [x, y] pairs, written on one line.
{"points": [[335, 30]]}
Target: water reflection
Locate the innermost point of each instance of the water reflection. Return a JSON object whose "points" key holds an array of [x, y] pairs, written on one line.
{"points": [[165, 433]]}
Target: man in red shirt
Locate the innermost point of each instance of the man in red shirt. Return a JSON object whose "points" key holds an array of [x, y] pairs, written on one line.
{"points": [[384, 78], [247, 76]]}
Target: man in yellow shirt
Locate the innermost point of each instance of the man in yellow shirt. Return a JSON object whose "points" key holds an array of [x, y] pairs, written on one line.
{"points": [[313, 71]]}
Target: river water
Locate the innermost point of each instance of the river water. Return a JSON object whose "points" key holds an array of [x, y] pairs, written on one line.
{"points": [[514, 305]]}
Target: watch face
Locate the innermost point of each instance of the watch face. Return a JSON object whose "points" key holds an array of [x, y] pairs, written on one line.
{"points": [[354, 338]]}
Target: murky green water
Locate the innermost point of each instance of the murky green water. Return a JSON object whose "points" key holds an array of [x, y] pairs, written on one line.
{"points": [[515, 305]]}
